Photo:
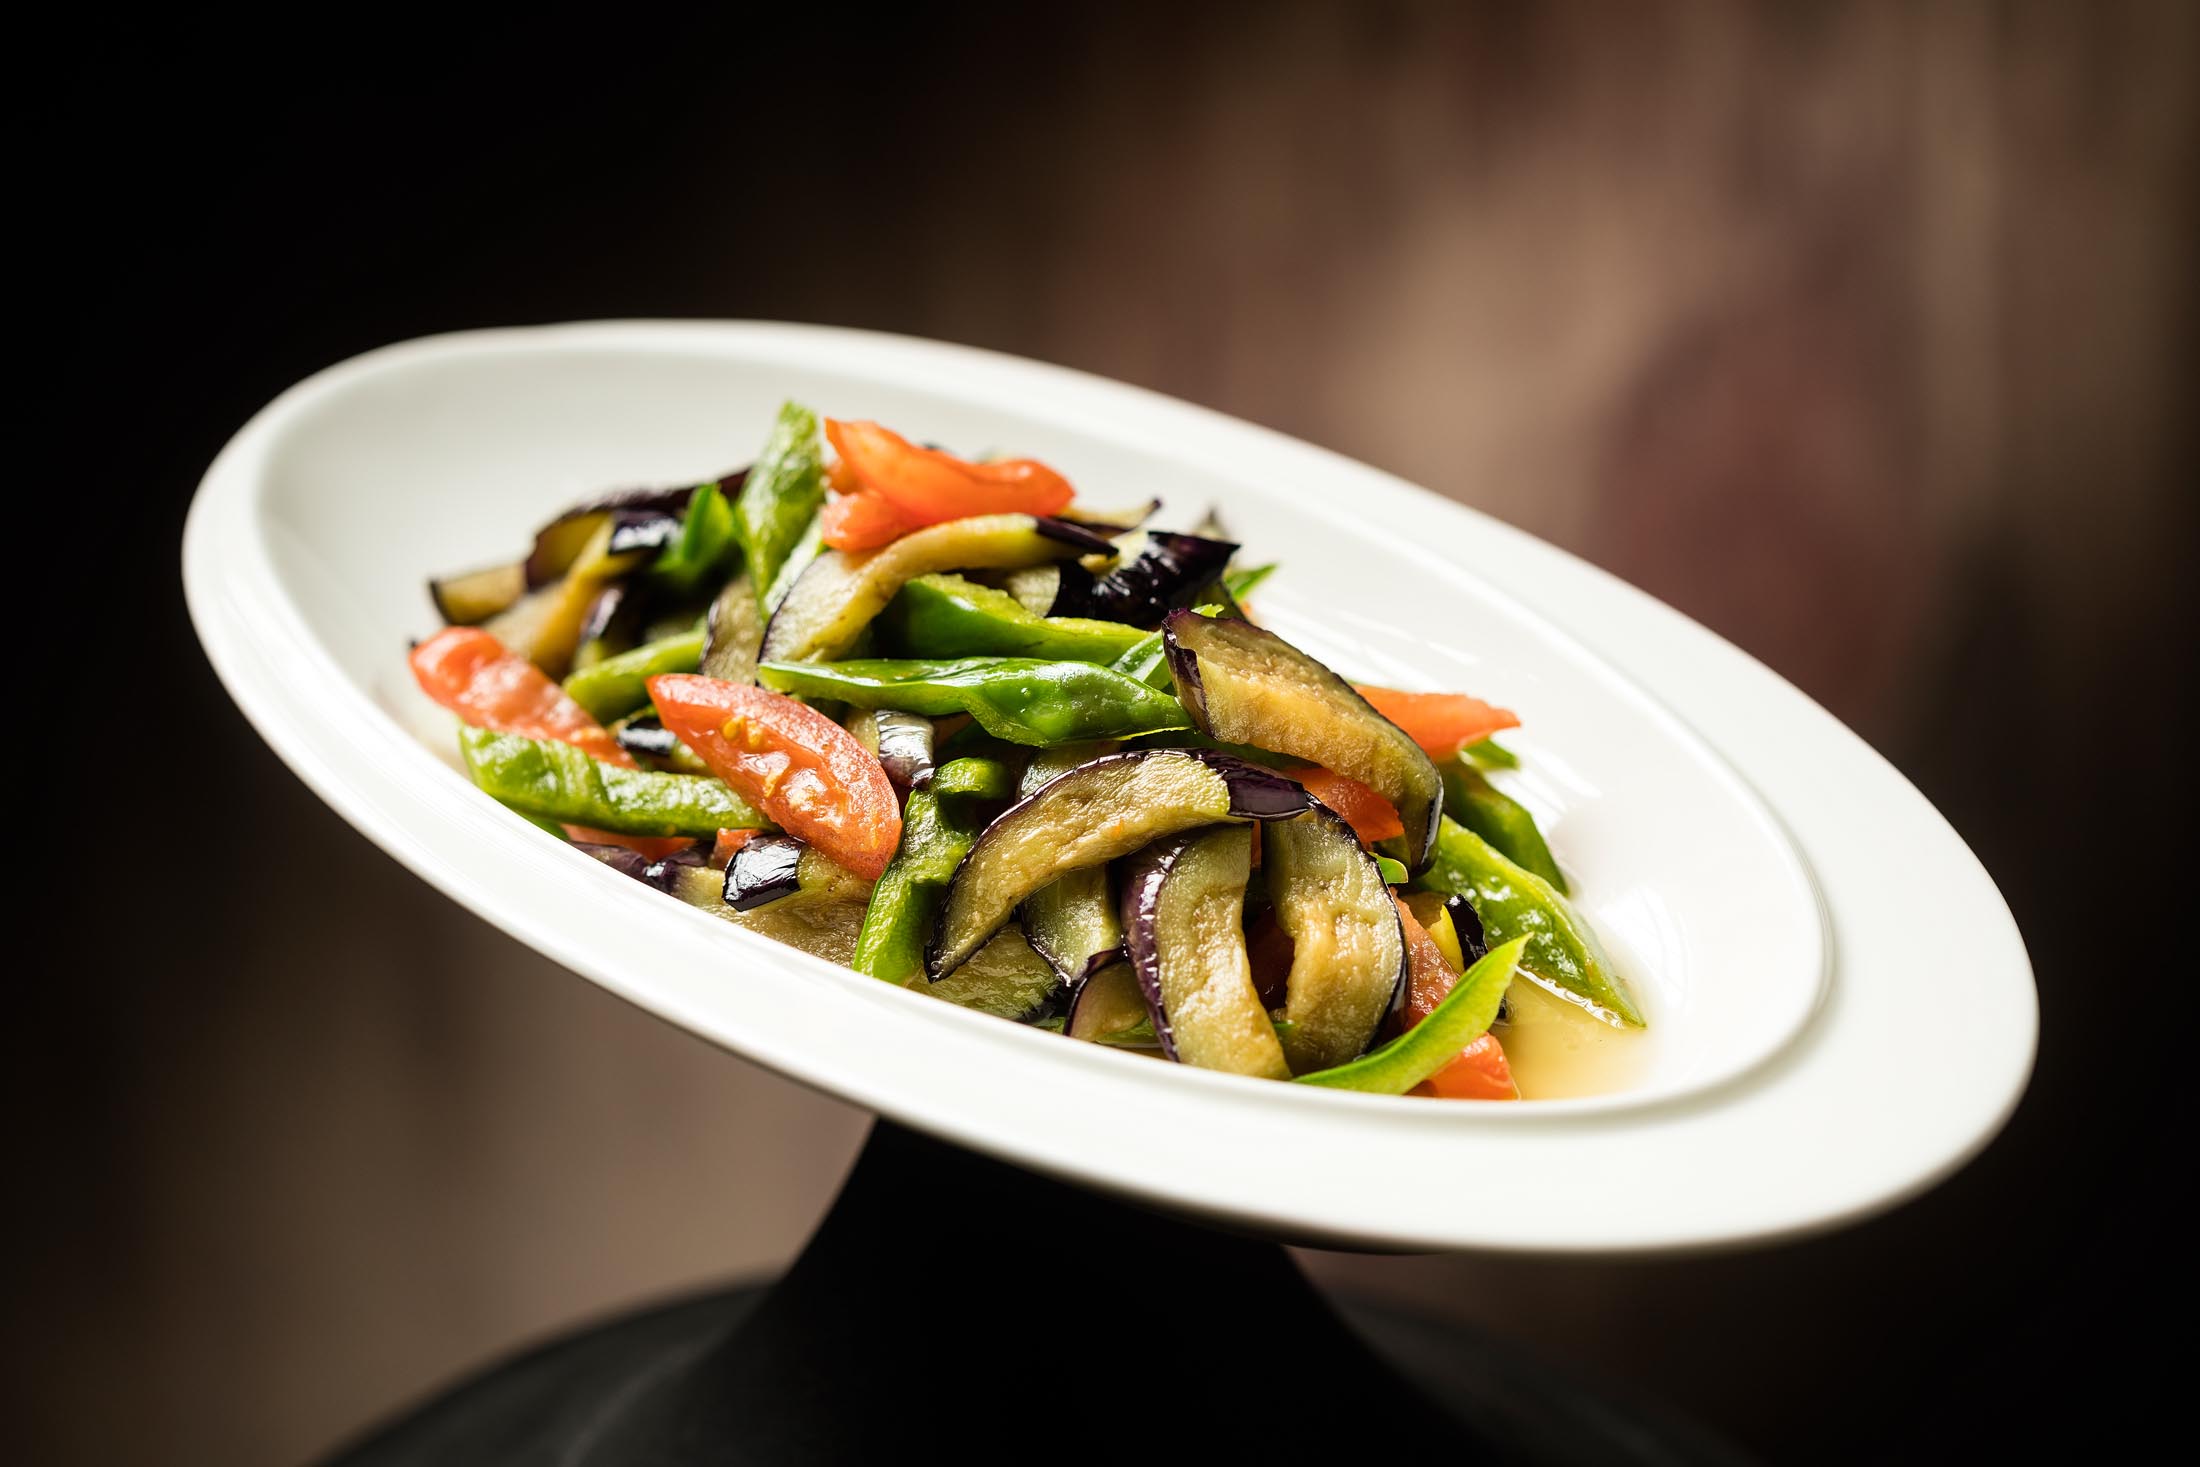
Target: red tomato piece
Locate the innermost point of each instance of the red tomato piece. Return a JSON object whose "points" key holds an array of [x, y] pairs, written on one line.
{"points": [[1441, 723], [1371, 817], [1481, 1072], [471, 673], [863, 521], [796, 765], [929, 486]]}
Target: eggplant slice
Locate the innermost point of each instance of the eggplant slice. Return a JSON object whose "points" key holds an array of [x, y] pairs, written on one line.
{"points": [[901, 742], [839, 594], [777, 869], [1348, 954], [1006, 978], [472, 598], [1245, 685], [733, 633], [1107, 808], [1110, 1008], [1184, 914], [823, 929]]}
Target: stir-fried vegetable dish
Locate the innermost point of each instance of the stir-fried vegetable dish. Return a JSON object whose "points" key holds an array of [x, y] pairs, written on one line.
{"points": [[937, 720]]}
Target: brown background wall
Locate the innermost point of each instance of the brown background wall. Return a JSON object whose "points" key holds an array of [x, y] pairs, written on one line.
{"points": [[1863, 333]]}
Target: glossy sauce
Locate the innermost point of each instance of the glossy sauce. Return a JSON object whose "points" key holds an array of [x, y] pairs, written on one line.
{"points": [[1559, 1049]]}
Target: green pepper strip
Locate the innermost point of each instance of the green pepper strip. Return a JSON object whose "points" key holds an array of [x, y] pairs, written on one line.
{"points": [[1513, 901], [618, 685], [1459, 1018], [1499, 819], [974, 778], [785, 489], [948, 616], [1020, 699], [705, 544], [935, 836], [1240, 584], [1491, 754], [553, 781]]}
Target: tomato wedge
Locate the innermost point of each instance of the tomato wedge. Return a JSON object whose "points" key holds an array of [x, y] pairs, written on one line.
{"points": [[796, 765], [1441, 723], [471, 673], [1478, 1072], [1371, 817], [1481, 1072], [863, 521], [928, 486]]}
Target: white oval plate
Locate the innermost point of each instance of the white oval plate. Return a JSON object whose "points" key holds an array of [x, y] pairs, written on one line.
{"points": [[1823, 1047]]}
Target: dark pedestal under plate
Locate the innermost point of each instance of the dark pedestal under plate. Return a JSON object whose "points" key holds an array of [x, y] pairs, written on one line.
{"points": [[950, 1306]]}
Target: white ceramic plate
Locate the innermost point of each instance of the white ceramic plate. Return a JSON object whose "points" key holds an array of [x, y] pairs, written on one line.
{"points": [[1842, 1008]]}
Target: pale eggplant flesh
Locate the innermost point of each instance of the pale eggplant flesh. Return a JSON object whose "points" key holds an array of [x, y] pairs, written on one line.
{"points": [[1095, 813], [1110, 1008], [472, 597], [840, 592], [1073, 923], [1348, 955], [733, 632], [1244, 684], [1184, 918]]}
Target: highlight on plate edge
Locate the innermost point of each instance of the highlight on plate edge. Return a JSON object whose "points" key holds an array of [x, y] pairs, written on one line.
{"points": [[938, 720]]}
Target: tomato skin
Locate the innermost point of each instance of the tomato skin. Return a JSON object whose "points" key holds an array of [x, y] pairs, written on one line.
{"points": [[1478, 1072], [863, 521], [928, 486], [1371, 817], [796, 765], [1428, 976], [471, 673], [1441, 723], [1481, 1072]]}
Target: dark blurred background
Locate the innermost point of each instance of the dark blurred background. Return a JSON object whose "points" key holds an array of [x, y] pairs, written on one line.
{"points": [[1863, 333]]}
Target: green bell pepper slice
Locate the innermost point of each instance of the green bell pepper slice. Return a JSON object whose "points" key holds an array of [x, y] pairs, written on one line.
{"points": [[1491, 754], [975, 778], [936, 834], [945, 615], [1023, 700], [780, 501], [705, 545], [618, 685], [1513, 901], [1499, 819], [1459, 1018], [553, 781]]}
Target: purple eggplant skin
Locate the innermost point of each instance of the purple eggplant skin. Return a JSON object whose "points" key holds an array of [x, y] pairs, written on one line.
{"points": [[1255, 793], [1102, 809], [1222, 1026], [563, 538], [1172, 571], [905, 748], [661, 874], [1333, 726], [642, 529], [768, 868], [1474, 943], [648, 736], [1070, 532]]}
